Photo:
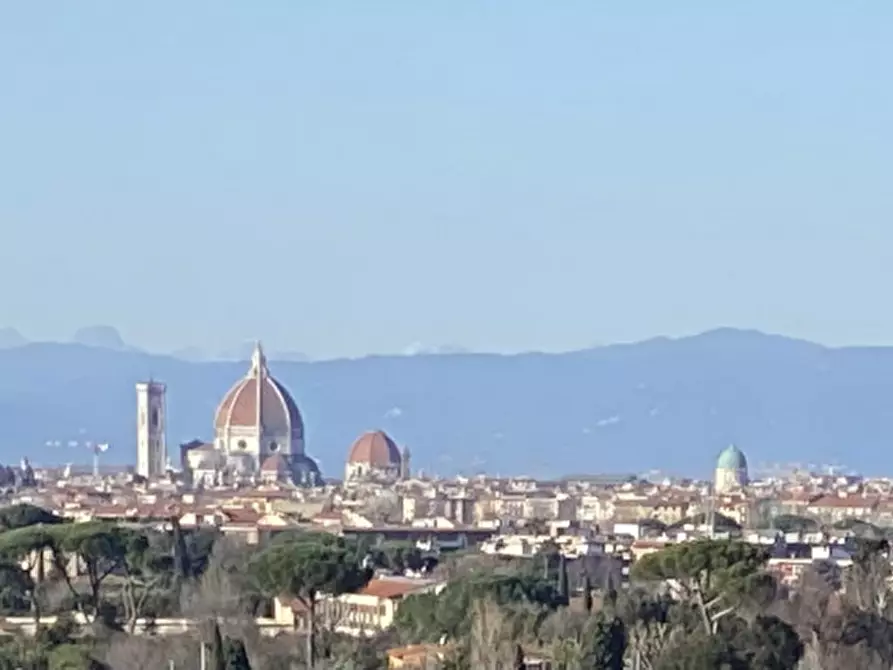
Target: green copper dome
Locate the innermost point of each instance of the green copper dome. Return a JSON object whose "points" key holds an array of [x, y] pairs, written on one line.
{"points": [[731, 458]]}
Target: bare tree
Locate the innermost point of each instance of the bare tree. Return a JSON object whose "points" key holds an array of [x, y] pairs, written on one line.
{"points": [[868, 579], [224, 591], [491, 644], [128, 652], [383, 508]]}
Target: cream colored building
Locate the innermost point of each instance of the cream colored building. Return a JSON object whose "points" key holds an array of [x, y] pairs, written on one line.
{"points": [[366, 613], [549, 507]]}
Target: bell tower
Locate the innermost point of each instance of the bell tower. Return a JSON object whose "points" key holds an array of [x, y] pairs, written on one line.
{"points": [[151, 449]]}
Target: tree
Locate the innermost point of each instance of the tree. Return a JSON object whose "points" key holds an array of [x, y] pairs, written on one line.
{"points": [[304, 567], [860, 528], [587, 593], [519, 657], [70, 657], [868, 580], [550, 553], [606, 643], [23, 515], [225, 590], [16, 588], [26, 547], [235, 655], [217, 660], [582, 640], [102, 549], [430, 617], [766, 644], [182, 564], [489, 642], [793, 523], [200, 544], [714, 576], [563, 589], [398, 557], [147, 568]]}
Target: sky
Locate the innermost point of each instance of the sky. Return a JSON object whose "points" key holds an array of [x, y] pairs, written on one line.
{"points": [[341, 178]]}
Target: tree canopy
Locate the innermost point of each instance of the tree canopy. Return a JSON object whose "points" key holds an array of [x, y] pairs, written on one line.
{"points": [[699, 604], [302, 566]]}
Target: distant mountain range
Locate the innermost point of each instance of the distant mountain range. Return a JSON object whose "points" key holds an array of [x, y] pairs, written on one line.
{"points": [[663, 404], [108, 337]]}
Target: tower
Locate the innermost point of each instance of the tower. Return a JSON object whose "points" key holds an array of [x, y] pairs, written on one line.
{"points": [[151, 450], [405, 472]]}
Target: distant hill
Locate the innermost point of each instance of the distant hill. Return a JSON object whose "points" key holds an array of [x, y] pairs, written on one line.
{"points": [[661, 404], [105, 337], [10, 337]]}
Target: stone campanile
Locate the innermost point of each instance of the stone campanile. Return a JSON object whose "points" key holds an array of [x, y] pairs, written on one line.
{"points": [[151, 450]]}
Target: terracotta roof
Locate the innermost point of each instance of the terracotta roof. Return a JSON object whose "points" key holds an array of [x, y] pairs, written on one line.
{"points": [[383, 587], [418, 654], [848, 502], [245, 515], [376, 449]]}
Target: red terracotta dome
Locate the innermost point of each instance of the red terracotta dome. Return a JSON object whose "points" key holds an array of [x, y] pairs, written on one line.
{"points": [[375, 449], [260, 401]]}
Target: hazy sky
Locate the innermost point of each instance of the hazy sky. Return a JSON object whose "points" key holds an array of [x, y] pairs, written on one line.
{"points": [[349, 177]]}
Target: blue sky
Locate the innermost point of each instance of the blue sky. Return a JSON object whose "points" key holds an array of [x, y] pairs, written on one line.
{"points": [[349, 177]]}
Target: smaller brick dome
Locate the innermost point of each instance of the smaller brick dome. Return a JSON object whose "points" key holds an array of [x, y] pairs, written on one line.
{"points": [[375, 448]]}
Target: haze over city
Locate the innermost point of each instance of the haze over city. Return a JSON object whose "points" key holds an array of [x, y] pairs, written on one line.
{"points": [[349, 178]]}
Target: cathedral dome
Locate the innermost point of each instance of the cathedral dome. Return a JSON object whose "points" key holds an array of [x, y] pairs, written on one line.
{"points": [[375, 449], [260, 401]]}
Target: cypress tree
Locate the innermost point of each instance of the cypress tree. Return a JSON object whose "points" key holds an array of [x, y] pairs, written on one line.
{"points": [[181, 556], [235, 654], [606, 643], [587, 593], [519, 657], [562, 579], [216, 659]]}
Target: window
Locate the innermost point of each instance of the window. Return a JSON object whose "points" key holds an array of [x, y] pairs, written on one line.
{"points": [[242, 444], [274, 446], [155, 417]]}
